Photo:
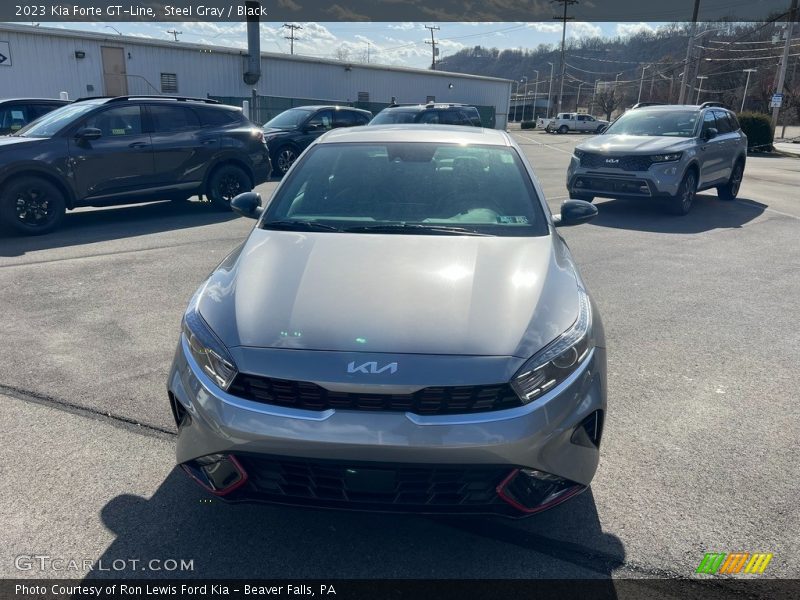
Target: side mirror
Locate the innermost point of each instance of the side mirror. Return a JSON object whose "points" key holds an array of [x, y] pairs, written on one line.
{"points": [[88, 133], [711, 133], [575, 212], [248, 205]]}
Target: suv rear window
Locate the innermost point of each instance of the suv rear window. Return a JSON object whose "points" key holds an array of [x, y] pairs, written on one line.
{"points": [[215, 117]]}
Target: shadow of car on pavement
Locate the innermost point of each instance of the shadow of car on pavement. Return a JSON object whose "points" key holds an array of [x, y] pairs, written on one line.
{"points": [[230, 541]]}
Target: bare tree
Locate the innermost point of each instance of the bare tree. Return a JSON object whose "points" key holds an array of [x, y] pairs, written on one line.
{"points": [[609, 99], [342, 53]]}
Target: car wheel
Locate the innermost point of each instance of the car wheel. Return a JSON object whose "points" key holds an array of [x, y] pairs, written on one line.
{"points": [[681, 203], [599, 130], [284, 158], [563, 129], [730, 190], [32, 205], [227, 182]]}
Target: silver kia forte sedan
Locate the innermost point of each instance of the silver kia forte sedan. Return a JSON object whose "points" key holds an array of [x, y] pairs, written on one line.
{"points": [[403, 330]]}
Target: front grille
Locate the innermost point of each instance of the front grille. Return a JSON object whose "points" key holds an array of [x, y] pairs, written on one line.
{"points": [[427, 401], [611, 185], [372, 486], [625, 163]]}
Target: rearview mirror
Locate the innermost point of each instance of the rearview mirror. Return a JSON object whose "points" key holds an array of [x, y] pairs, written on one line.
{"points": [[248, 205], [711, 132], [575, 212], [89, 133]]}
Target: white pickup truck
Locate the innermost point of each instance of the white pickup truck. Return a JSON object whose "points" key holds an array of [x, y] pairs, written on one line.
{"points": [[566, 122]]}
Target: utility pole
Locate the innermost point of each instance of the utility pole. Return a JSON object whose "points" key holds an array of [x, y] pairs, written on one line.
{"points": [[563, 68], [641, 82], [689, 47], [550, 90], [578, 98], [368, 45], [433, 45], [174, 33], [791, 18], [746, 84], [291, 37]]}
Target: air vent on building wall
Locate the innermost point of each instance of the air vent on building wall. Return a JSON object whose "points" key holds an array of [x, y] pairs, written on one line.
{"points": [[169, 83]]}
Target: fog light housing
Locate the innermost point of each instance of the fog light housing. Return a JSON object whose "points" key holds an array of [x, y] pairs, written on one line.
{"points": [[531, 491], [219, 474]]}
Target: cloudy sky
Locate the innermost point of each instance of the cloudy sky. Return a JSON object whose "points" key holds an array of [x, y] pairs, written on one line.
{"points": [[388, 43]]}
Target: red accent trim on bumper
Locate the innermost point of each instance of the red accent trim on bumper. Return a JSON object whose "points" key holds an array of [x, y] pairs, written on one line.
{"points": [[230, 488], [501, 492]]}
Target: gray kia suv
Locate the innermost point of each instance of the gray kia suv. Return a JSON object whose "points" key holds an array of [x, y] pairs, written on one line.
{"points": [[404, 329], [668, 152]]}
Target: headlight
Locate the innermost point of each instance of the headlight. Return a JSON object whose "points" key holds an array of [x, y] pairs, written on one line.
{"points": [[559, 359], [666, 157], [578, 153], [206, 348]]}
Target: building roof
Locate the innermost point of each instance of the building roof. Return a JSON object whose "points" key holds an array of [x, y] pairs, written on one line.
{"points": [[143, 41]]}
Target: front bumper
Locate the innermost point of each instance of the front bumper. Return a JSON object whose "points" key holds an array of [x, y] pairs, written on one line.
{"points": [[446, 463], [660, 180]]}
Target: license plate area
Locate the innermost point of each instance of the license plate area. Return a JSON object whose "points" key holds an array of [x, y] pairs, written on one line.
{"points": [[373, 481]]}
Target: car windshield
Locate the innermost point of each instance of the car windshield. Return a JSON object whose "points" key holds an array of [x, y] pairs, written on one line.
{"points": [[677, 123], [389, 117], [53, 122], [408, 188], [289, 119]]}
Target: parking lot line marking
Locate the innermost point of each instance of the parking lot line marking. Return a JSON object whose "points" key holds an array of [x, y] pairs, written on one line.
{"points": [[543, 144]]}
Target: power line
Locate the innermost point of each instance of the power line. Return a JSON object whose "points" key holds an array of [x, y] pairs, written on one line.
{"points": [[291, 37], [433, 45], [175, 33]]}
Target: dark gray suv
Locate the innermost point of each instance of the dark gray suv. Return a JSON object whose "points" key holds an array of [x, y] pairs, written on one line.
{"points": [[669, 152]]}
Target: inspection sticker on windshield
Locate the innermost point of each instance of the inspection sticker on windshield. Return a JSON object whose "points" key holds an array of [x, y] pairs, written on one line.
{"points": [[521, 220]]}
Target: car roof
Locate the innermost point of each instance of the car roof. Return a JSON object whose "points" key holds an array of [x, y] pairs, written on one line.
{"points": [[429, 106], [453, 134], [330, 106], [58, 100]]}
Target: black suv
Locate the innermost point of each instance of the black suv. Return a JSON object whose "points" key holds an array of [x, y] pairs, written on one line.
{"points": [[293, 130], [15, 113], [444, 114], [127, 149]]}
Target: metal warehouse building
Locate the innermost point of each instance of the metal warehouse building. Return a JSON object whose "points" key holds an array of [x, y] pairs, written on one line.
{"points": [[42, 62]]}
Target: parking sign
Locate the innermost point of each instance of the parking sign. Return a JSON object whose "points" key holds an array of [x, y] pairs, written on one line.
{"points": [[777, 101]]}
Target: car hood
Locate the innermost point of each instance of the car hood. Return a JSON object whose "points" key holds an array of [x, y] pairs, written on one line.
{"points": [[639, 144], [7, 141], [455, 295], [275, 130]]}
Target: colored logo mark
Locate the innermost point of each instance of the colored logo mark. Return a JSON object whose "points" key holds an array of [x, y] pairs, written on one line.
{"points": [[736, 562]]}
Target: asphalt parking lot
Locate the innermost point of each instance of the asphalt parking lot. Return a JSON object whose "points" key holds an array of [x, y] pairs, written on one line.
{"points": [[700, 454]]}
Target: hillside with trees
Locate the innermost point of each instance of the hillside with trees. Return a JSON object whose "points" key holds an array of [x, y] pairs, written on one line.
{"points": [[608, 72]]}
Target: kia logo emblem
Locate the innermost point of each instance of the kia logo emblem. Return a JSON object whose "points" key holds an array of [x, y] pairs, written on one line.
{"points": [[612, 161]]}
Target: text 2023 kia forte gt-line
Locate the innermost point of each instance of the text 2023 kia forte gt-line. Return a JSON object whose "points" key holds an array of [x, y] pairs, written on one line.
{"points": [[403, 330]]}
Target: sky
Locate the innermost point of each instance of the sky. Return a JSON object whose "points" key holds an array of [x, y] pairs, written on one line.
{"points": [[400, 44]]}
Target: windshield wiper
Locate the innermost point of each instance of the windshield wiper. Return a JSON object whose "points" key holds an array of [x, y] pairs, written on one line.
{"points": [[298, 226], [414, 228]]}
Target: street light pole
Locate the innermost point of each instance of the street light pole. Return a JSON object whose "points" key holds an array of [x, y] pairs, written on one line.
{"points": [[641, 82], [578, 99], [746, 84], [516, 101], [524, 95], [700, 87], [550, 90], [533, 112]]}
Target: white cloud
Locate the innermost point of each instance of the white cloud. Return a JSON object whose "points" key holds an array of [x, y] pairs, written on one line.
{"points": [[407, 26], [626, 29]]}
